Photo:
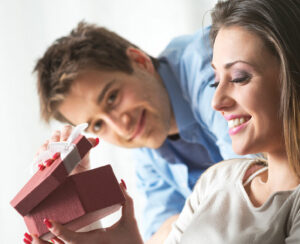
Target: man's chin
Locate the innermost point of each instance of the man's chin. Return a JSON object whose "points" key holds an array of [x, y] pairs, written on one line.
{"points": [[155, 143], [149, 142]]}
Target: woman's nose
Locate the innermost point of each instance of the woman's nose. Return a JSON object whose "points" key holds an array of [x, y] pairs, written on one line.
{"points": [[222, 99]]}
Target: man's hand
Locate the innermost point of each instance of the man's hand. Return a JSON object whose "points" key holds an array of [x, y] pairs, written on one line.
{"points": [[125, 231], [161, 235]]}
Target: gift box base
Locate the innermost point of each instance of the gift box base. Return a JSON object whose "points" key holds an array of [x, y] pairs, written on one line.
{"points": [[81, 200], [85, 220]]}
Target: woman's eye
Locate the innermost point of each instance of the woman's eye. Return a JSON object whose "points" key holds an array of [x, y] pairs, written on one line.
{"points": [[244, 78], [97, 126], [112, 97]]}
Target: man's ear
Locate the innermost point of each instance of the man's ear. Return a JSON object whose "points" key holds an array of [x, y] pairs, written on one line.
{"points": [[139, 58]]}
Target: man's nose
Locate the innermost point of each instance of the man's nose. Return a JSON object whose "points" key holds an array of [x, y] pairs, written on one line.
{"points": [[222, 99], [120, 123]]}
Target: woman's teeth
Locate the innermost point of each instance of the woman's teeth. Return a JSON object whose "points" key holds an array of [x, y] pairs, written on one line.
{"points": [[236, 122]]}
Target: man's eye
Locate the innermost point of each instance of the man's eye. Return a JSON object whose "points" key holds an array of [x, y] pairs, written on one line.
{"points": [[97, 126], [215, 85], [112, 97]]}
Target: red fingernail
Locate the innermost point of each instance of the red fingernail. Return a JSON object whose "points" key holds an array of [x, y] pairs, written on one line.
{"points": [[26, 241], [41, 167], [56, 156], [48, 162], [27, 236], [53, 241], [96, 141], [47, 223], [123, 183]]}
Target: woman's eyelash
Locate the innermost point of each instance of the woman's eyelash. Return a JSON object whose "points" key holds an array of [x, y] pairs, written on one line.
{"points": [[242, 79], [237, 80]]}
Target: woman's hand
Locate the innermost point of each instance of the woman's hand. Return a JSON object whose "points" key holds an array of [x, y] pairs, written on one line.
{"points": [[125, 231], [63, 135]]}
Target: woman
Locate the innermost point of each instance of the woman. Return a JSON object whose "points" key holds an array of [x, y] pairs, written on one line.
{"points": [[257, 64]]}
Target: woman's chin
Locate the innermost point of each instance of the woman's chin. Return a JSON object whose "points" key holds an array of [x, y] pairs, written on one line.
{"points": [[241, 150]]}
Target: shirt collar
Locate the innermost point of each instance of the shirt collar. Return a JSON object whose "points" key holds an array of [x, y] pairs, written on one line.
{"points": [[181, 107]]}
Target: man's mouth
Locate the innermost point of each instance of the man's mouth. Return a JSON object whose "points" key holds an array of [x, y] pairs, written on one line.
{"points": [[140, 126]]}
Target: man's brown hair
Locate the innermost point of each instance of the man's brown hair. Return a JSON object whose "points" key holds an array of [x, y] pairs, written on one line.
{"points": [[86, 47]]}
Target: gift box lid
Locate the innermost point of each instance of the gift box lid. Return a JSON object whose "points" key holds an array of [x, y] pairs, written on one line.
{"points": [[45, 181]]}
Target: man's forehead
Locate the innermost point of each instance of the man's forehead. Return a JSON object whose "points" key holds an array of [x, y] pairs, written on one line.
{"points": [[83, 84], [91, 80], [78, 102], [84, 99], [72, 108]]}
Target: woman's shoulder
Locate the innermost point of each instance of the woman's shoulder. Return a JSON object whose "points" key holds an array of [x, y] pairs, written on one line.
{"points": [[230, 167], [227, 171]]}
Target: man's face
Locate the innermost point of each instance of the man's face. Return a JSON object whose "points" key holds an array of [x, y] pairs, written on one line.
{"points": [[128, 110]]}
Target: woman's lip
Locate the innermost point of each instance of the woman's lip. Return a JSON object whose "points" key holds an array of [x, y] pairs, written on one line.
{"points": [[140, 126], [235, 130], [235, 116]]}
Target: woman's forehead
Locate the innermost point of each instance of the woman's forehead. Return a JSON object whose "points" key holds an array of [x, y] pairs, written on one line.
{"points": [[235, 43]]}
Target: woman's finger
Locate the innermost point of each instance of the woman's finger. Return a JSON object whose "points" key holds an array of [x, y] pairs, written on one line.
{"points": [[61, 232], [42, 148], [128, 208], [55, 136], [65, 132], [128, 222], [36, 240], [94, 141], [57, 241]]}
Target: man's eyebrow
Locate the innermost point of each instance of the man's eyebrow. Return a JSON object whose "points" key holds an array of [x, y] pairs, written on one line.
{"points": [[104, 90], [101, 97]]}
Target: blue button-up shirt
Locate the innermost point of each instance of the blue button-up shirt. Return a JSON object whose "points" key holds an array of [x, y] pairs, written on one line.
{"points": [[168, 174]]}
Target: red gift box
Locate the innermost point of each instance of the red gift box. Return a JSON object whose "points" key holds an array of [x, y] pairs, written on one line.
{"points": [[75, 201]]}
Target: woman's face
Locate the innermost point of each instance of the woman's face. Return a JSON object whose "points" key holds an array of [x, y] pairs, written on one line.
{"points": [[248, 91]]}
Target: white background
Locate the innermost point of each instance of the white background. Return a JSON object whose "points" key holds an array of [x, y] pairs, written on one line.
{"points": [[27, 28]]}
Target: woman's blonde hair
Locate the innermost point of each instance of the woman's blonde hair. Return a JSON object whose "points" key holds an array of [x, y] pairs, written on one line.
{"points": [[277, 23]]}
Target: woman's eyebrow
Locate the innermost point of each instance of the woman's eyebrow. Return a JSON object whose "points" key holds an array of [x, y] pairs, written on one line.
{"points": [[228, 65]]}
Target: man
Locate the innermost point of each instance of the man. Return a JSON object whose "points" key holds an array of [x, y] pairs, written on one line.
{"points": [[159, 106]]}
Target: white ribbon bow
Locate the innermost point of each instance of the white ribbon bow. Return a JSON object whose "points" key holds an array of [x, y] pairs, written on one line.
{"points": [[63, 147]]}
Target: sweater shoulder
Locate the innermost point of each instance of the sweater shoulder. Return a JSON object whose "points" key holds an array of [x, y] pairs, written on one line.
{"points": [[227, 171]]}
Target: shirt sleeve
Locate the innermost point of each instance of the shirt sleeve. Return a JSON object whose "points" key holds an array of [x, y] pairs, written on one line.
{"points": [[162, 200], [294, 233]]}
